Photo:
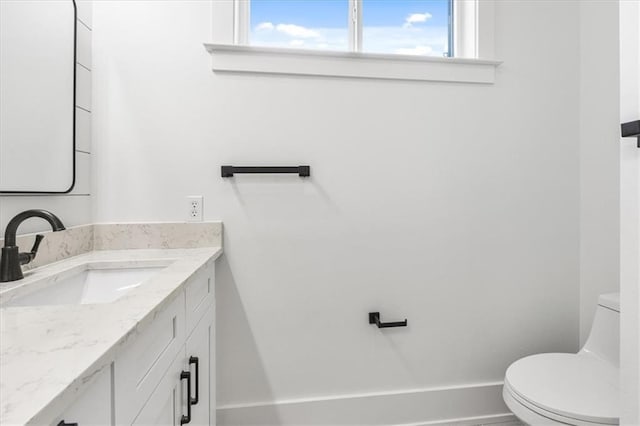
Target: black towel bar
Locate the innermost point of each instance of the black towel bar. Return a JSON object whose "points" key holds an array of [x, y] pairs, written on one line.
{"points": [[302, 171]]}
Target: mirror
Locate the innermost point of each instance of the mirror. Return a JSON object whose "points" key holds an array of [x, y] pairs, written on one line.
{"points": [[37, 96]]}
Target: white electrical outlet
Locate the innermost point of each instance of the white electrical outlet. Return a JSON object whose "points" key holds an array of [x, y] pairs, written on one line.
{"points": [[194, 208]]}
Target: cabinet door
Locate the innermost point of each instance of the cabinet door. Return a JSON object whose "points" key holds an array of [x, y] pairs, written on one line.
{"points": [[143, 361], [168, 401], [200, 345], [94, 405], [199, 294]]}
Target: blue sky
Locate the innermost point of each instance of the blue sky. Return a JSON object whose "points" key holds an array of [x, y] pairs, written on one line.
{"points": [[390, 26]]}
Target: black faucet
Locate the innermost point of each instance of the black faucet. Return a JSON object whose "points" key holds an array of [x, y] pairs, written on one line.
{"points": [[10, 269]]}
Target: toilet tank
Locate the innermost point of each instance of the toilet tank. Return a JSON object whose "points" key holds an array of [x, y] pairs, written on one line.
{"points": [[604, 338]]}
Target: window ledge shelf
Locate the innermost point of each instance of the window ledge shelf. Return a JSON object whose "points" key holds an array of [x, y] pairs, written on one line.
{"points": [[270, 60]]}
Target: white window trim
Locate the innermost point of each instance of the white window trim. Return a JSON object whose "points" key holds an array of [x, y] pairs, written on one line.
{"points": [[474, 26], [241, 20], [355, 33], [473, 43]]}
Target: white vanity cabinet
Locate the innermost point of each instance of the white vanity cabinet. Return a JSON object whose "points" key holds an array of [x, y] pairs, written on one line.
{"points": [[200, 358], [148, 384], [166, 404], [184, 394], [94, 406], [181, 394]]}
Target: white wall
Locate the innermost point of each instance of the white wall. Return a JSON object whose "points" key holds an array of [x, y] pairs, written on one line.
{"points": [[630, 216], [73, 208], [599, 157], [453, 205]]}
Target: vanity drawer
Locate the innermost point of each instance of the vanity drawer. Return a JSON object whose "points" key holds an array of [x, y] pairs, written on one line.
{"points": [[94, 405], [141, 365], [199, 293]]}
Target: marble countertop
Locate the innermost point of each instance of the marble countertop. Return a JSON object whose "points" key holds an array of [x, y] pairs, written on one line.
{"points": [[49, 354]]}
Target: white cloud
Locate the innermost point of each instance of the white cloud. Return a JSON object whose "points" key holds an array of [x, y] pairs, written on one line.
{"points": [[418, 50], [419, 40], [323, 38], [297, 31], [265, 26], [416, 18], [425, 40]]}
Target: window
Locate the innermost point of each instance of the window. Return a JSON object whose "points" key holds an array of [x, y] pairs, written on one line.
{"points": [[418, 40], [408, 27], [315, 24], [414, 27]]}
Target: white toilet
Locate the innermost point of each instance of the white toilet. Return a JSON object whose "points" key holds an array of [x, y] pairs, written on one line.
{"points": [[573, 389]]}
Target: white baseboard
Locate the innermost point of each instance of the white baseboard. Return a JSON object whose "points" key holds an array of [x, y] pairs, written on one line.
{"points": [[478, 404], [497, 420]]}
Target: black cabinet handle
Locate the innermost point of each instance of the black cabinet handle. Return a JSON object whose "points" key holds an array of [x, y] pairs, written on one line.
{"points": [[194, 360], [63, 423], [186, 419], [374, 318]]}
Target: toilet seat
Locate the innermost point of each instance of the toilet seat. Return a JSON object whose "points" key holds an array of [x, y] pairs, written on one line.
{"points": [[576, 389]]}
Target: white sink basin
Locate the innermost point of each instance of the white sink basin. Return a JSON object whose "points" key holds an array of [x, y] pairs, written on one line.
{"points": [[87, 284]]}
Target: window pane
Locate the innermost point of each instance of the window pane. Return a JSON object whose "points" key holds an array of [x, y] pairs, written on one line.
{"points": [[303, 24], [409, 27]]}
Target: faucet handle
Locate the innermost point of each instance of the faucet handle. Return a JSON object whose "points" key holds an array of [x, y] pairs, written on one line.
{"points": [[29, 256], [36, 244]]}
